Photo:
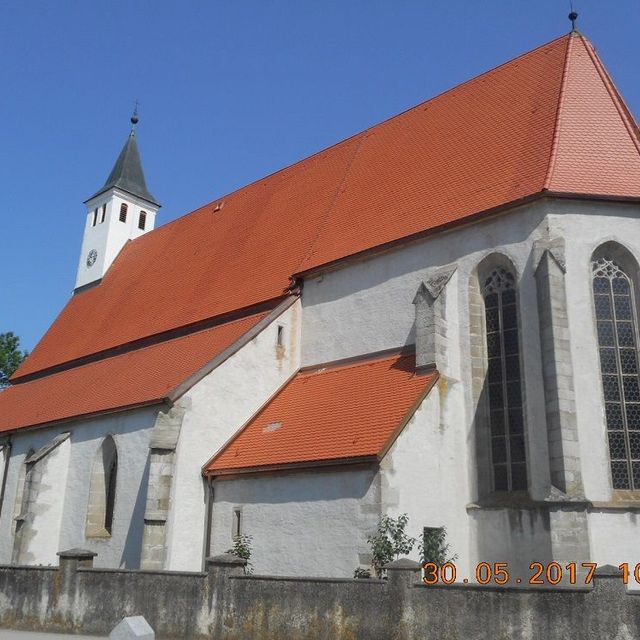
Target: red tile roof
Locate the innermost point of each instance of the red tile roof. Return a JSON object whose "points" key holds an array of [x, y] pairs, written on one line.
{"points": [[333, 414], [549, 120], [139, 377]]}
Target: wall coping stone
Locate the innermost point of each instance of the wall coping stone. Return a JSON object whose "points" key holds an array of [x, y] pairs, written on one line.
{"points": [[403, 564], [77, 554], [28, 567], [608, 571], [225, 559], [156, 572]]}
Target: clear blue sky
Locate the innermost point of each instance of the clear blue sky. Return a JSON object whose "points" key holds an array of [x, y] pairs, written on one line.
{"points": [[229, 91]]}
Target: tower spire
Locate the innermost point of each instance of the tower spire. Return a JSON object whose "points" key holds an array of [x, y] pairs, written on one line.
{"points": [[122, 210], [127, 173]]}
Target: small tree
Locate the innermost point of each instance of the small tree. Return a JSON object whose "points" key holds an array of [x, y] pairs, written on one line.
{"points": [[242, 549], [390, 542], [433, 547], [11, 356]]}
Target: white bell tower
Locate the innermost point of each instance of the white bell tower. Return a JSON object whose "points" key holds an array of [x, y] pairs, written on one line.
{"points": [[121, 210]]}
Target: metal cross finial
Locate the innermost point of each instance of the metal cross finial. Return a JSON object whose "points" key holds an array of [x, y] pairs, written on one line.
{"points": [[134, 117]]}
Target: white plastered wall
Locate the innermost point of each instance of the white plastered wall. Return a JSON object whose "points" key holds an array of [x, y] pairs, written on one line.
{"points": [[218, 406], [63, 493], [423, 470], [311, 523]]}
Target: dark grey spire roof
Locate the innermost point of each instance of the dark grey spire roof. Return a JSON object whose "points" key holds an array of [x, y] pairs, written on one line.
{"points": [[127, 173]]}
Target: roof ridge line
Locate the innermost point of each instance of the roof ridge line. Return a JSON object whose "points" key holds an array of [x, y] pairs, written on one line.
{"points": [[556, 125], [623, 110], [362, 132], [359, 361]]}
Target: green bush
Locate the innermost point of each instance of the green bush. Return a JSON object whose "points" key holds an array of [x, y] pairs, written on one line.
{"points": [[390, 542], [242, 549]]}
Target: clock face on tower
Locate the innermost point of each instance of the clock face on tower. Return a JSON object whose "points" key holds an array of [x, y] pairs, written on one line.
{"points": [[92, 256]]}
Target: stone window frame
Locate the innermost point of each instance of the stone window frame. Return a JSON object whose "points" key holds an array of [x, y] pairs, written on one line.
{"points": [[103, 490], [628, 263], [479, 367], [236, 522]]}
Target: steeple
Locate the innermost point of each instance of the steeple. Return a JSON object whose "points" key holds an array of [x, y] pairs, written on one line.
{"points": [[127, 173], [121, 210]]}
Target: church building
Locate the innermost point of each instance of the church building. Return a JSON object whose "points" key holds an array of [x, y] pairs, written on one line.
{"points": [[437, 316]]}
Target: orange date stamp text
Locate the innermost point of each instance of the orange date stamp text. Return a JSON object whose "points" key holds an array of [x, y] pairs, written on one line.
{"points": [[540, 574]]}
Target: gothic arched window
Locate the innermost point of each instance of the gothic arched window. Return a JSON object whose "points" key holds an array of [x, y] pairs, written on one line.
{"points": [[504, 382], [616, 316], [102, 490]]}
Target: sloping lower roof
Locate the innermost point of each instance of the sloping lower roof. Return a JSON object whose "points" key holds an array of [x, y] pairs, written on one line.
{"points": [[548, 121], [144, 376], [336, 414]]}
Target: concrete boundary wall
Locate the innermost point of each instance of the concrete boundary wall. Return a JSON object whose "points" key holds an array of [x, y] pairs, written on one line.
{"points": [[224, 604]]}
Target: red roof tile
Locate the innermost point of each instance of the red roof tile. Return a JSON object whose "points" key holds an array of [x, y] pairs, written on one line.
{"points": [[344, 412], [549, 119], [597, 145], [138, 377]]}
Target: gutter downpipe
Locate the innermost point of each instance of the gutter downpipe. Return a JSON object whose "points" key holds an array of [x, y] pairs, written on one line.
{"points": [[206, 552]]}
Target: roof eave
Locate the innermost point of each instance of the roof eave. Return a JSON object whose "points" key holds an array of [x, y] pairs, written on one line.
{"points": [[148, 198], [486, 214], [227, 474], [84, 416]]}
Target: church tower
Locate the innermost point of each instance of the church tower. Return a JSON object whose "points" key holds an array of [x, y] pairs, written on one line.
{"points": [[121, 210]]}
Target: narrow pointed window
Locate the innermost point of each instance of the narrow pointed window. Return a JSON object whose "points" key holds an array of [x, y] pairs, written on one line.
{"points": [[102, 490], [142, 220], [508, 457], [123, 212], [94, 221], [103, 214], [617, 325]]}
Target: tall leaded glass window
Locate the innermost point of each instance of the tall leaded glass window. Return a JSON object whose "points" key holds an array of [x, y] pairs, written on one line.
{"points": [[508, 458], [618, 342]]}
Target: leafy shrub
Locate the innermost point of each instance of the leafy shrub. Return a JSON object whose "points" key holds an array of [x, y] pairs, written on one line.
{"points": [[390, 542], [242, 549], [361, 573]]}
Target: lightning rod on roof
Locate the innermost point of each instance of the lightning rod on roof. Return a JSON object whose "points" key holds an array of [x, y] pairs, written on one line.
{"points": [[573, 16], [134, 117]]}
